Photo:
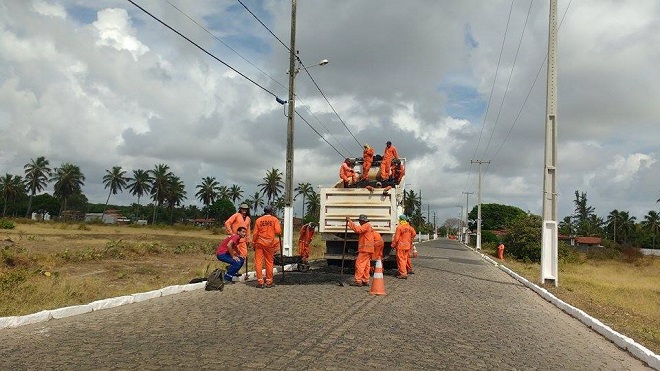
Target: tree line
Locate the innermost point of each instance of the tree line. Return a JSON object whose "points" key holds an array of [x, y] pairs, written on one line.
{"points": [[167, 192]]}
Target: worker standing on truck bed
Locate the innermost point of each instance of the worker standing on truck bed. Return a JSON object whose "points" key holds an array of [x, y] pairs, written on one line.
{"points": [[346, 173], [368, 159], [306, 235], [402, 242], [240, 219], [266, 228], [388, 155], [365, 249]]}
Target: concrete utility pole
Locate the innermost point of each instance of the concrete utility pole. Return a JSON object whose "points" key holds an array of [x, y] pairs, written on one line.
{"points": [[479, 203], [467, 211], [549, 238], [288, 183]]}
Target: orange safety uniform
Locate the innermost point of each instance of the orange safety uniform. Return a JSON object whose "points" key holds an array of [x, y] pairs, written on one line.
{"points": [[402, 241], [347, 174], [306, 234], [231, 226], [388, 155], [500, 251], [365, 251], [368, 158], [265, 244], [397, 172], [379, 245]]}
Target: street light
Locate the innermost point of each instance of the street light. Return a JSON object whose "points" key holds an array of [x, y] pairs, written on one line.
{"points": [[287, 248]]}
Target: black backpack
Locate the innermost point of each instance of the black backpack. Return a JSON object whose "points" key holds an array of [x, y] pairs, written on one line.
{"points": [[216, 280]]}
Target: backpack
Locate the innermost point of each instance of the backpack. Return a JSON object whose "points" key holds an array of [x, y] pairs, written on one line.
{"points": [[216, 280]]}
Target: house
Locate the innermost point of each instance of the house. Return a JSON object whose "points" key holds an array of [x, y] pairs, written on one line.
{"points": [[581, 241]]}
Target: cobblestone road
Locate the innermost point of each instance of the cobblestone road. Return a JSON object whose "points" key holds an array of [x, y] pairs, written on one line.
{"points": [[457, 312]]}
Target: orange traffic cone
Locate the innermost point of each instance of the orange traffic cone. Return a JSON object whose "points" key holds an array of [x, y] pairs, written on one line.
{"points": [[378, 283]]}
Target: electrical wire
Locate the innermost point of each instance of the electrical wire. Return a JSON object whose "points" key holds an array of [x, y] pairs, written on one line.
{"points": [[319, 134], [202, 49]]}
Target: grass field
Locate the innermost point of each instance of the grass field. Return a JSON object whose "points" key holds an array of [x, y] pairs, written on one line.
{"points": [[52, 265]]}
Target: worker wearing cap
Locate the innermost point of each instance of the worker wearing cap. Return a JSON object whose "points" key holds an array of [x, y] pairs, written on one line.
{"points": [[365, 249], [388, 155], [265, 243], [402, 242], [346, 173], [306, 235], [397, 171], [240, 219], [368, 159]]}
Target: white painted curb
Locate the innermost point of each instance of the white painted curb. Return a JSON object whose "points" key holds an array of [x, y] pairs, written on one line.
{"points": [[624, 342], [46, 315]]}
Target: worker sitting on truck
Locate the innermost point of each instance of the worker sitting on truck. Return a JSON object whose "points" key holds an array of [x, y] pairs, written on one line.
{"points": [[368, 159], [402, 242], [346, 173], [306, 235], [388, 155], [397, 171], [365, 249]]}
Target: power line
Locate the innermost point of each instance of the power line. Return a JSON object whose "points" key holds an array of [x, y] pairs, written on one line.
{"points": [[202, 49], [306, 70], [319, 134]]}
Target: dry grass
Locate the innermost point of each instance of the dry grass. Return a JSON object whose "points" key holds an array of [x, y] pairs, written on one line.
{"points": [[623, 295], [52, 265]]}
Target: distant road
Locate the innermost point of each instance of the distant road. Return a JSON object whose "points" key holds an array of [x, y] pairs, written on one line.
{"points": [[458, 312]]}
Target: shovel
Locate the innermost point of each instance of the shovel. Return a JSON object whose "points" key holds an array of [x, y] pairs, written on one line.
{"points": [[343, 256]]}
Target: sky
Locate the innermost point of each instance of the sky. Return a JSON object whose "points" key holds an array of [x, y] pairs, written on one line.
{"points": [[102, 84]]}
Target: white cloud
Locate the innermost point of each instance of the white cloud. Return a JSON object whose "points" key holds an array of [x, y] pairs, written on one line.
{"points": [[115, 31], [49, 9]]}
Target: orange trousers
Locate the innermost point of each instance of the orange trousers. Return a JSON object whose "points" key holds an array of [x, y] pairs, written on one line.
{"points": [[262, 253], [500, 253], [409, 261], [303, 250], [366, 166], [402, 259], [362, 266], [385, 165]]}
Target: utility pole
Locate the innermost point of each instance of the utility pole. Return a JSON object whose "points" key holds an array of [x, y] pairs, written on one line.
{"points": [[435, 230], [467, 211], [549, 238], [288, 192], [479, 203]]}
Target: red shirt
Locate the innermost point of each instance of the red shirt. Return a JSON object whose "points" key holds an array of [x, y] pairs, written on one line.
{"points": [[224, 245]]}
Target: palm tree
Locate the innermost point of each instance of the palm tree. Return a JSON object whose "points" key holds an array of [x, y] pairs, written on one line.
{"points": [[37, 175], [256, 201], [223, 193], [140, 185], [411, 202], [11, 188], [116, 181], [174, 193], [314, 205], [235, 192], [160, 177], [68, 181], [208, 192], [303, 189], [613, 218], [566, 226], [627, 225], [278, 205], [651, 223], [272, 185]]}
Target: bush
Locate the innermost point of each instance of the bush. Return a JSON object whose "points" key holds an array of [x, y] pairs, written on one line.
{"points": [[631, 254], [568, 254], [603, 253], [6, 224], [488, 236]]}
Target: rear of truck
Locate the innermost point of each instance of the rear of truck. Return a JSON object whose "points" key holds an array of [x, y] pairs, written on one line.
{"points": [[381, 206]]}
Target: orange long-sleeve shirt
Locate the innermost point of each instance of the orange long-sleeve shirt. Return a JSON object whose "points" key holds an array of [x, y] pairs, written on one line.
{"points": [[346, 173], [404, 236], [389, 153], [236, 221], [366, 237], [265, 230], [368, 155], [398, 172]]}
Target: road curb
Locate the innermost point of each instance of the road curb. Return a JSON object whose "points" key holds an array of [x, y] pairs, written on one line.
{"points": [[639, 351]]}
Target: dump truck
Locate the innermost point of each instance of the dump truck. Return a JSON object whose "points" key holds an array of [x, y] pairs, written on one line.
{"points": [[382, 209]]}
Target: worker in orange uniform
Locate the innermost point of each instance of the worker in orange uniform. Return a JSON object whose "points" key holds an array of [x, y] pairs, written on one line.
{"points": [[402, 242], [379, 245], [346, 173], [388, 155], [306, 235], [240, 219], [365, 249], [265, 244], [500, 251], [397, 171], [368, 159]]}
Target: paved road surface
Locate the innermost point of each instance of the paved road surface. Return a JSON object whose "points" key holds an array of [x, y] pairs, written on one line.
{"points": [[457, 312]]}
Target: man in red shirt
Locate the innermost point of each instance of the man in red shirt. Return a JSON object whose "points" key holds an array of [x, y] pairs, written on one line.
{"points": [[228, 252], [265, 243]]}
